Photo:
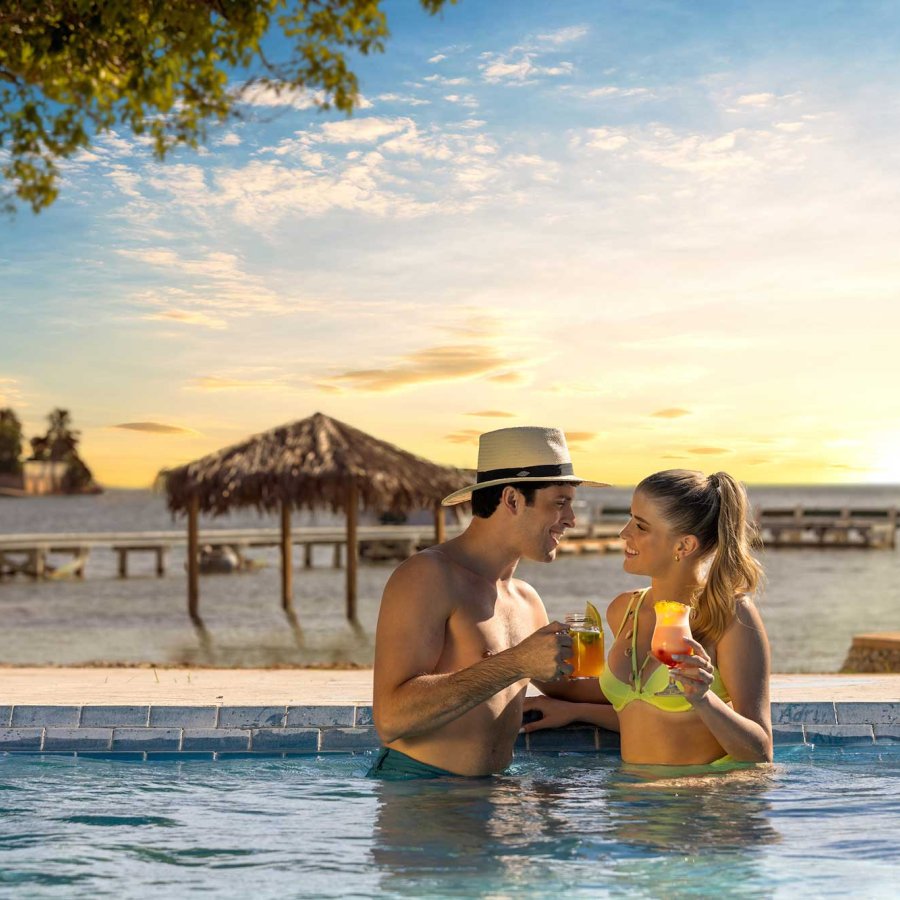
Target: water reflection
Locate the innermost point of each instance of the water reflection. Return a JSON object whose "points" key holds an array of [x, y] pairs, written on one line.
{"points": [[574, 824]]}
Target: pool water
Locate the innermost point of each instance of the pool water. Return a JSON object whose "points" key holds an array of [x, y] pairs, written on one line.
{"points": [[822, 821]]}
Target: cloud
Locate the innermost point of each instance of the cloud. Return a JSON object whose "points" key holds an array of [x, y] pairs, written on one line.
{"points": [[184, 317], [466, 436], [498, 68], [10, 393], [605, 139], [209, 288], [564, 35], [580, 437], [613, 91], [231, 139], [366, 130], [708, 451], [215, 383], [438, 57], [434, 364], [508, 378], [721, 155], [672, 413], [762, 99], [263, 95], [407, 99], [492, 414], [155, 428]]}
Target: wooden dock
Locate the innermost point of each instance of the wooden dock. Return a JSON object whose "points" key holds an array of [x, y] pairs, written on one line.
{"points": [[807, 527], [28, 554]]}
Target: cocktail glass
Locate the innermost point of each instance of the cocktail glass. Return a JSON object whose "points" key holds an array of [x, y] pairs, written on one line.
{"points": [[669, 636], [587, 647]]}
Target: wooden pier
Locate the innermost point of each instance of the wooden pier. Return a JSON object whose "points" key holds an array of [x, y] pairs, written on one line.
{"points": [[808, 527], [28, 554]]}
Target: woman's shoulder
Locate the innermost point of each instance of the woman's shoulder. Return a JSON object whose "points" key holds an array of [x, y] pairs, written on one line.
{"points": [[746, 618], [618, 607]]}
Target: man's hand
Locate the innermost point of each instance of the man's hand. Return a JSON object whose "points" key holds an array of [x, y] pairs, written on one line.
{"points": [[544, 655]]}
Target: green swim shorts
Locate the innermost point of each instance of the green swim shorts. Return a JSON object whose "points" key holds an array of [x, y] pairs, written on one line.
{"points": [[393, 765]]}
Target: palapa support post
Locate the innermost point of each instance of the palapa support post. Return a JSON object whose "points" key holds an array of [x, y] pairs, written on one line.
{"points": [[440, 527], [193, 555], [352, 549], [287, 589]]}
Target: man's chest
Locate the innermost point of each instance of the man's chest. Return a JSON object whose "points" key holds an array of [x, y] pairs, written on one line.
{"points": [[481, 628]]}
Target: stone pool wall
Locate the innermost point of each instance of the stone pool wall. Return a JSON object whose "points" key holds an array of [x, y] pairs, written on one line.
{"points": [[211, 731]]}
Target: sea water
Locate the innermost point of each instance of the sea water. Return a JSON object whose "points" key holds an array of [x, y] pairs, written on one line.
{"points": [[813, 603]]}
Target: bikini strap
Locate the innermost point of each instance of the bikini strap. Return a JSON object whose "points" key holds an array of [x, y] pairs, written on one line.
{"points": [[636, 672], [634, 597]]}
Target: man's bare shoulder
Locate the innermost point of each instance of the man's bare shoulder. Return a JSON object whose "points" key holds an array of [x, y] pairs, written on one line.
{"points": [[425, 573], [530, 595]]}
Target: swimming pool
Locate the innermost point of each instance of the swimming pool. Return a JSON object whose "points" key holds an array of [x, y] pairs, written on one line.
{"points": [[822, 821]]}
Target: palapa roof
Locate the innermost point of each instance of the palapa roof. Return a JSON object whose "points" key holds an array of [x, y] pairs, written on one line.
{"points": [[311, 463]]}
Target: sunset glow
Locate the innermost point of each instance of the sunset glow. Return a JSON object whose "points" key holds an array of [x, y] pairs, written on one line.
{"points": [[669, 229]]}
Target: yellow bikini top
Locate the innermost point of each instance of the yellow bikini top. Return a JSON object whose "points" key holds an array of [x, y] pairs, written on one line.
{"points": [[620, 693]]}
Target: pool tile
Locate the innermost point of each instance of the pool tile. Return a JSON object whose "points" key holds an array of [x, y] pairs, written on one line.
{"points": [[167, 756], [563, 739], [45, 716], [251, 716], [803, 714], [348, 739], [183, 716], [20, 738], [77, 738], [5, 716], [839, 734], [364, 716], [887, 732], [297, 740], [787, 734], [250, 754], [319, 716], [112, 716], [132, 756], [868, 713], [145, 739], [220, 739]]}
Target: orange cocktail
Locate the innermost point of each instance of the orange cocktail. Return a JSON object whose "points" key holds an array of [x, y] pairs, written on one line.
{"points": [[669, 636], [588, 652]]}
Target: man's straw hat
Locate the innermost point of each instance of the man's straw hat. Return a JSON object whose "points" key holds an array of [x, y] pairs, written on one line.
{"points": [[528, 453]]}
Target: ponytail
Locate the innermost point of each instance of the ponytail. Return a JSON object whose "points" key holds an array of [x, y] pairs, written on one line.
{"points": [[717, 512]]}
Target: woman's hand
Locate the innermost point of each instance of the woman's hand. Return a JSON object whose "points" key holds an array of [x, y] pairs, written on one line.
{"points": [[694, 672], [554, 713]]}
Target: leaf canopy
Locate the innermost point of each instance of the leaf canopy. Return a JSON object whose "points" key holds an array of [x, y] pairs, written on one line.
{"points": [[73, 69]]}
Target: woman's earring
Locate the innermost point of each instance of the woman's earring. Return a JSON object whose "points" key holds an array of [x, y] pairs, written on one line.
{"points": [[677, 558]]}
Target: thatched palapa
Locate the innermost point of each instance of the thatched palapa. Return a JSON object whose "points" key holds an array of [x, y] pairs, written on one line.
{"points": [[314, 463]]}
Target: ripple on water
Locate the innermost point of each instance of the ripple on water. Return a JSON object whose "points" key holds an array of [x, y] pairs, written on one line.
{"points": [[117, 821]]}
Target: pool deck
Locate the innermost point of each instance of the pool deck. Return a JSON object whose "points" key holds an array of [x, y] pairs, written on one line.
{"points": [[147, 712], [114, 686]]}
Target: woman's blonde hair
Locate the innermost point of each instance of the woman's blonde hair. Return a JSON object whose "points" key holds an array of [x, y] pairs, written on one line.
{"points": [[716, 511]]}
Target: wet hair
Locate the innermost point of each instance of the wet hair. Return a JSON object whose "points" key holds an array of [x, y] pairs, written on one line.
{"points": [[486, 500], [714, 509]]}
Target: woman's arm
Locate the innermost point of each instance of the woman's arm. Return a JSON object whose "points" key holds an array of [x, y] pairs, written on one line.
{"points": [[557, 713], [745, 732]]}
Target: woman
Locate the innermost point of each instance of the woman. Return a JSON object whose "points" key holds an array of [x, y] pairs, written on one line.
{"points": [[691, 536]]}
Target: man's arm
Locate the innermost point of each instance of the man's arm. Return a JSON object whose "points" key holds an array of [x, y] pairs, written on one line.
{"points": [[409, 699]]}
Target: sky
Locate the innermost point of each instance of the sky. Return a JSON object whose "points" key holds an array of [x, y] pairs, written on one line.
{"points": [[669, 228]]}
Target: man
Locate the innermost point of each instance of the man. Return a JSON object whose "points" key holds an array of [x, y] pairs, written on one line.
{"points": [[458, 636]]}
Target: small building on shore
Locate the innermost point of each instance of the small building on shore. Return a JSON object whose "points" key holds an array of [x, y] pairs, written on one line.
{"points": [[43, 477]]}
